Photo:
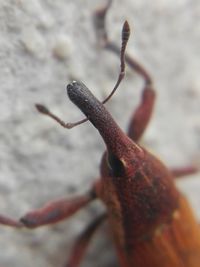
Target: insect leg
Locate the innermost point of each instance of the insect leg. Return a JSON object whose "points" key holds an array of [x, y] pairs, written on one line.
{"points": [[82, 242], [56, 211], [184, 171], [10, 222], [142, 114]]}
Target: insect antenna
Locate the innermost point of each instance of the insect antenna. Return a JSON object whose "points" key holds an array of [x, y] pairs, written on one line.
{"points": [[125, 36], [45, 111]]}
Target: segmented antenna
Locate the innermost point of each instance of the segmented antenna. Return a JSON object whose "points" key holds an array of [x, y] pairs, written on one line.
{"points": [[45, 111], [125, 36]]}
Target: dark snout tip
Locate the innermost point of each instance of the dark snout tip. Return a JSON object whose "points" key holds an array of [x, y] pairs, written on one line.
{"points": [[71, 85], [79, 94], [76, 89], [71, 88]]}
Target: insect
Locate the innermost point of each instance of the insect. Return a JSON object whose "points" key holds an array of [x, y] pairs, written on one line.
{"points": [[151, 222]]}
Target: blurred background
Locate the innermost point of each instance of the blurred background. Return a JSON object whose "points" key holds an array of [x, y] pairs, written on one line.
{"points": [[43, 46]]}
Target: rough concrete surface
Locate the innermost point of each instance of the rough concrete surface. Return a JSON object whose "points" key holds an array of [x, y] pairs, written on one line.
{"points": [[43, 46]]}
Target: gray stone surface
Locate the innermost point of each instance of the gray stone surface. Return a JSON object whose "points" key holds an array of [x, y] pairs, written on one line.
{"points": [[44, 45]]}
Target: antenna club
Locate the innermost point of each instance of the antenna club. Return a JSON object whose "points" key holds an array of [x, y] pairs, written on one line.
{"points": [[42, 109], [126, 31]]}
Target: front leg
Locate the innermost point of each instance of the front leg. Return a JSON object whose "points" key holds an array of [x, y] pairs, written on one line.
{"points": [[10, 222], [142, 114], [52, 212], [56, 211]]}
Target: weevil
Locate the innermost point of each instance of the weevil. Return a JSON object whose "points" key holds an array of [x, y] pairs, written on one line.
{"points": [[151, 222]]}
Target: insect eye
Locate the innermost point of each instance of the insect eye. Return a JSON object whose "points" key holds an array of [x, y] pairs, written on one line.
{"points": [[116, 165]]}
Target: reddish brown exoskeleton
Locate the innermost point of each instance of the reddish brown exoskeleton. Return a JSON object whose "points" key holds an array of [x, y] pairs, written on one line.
{"points": [[151, 222]]}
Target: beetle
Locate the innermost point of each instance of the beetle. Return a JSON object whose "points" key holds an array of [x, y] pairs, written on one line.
{"points": [[151, 221]]}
